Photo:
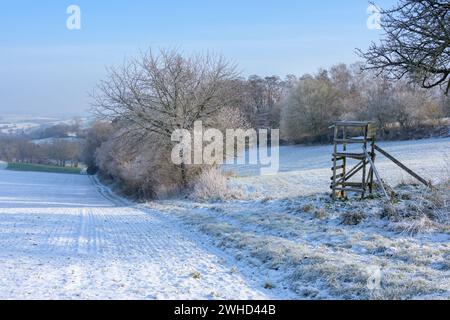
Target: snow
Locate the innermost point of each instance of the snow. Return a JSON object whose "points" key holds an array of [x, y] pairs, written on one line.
{"points": [[67, 237], [53, 140], [3, 165], [14, 128], [18, 124]]}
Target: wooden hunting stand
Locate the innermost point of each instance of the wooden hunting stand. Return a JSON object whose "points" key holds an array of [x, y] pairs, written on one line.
{"points": [[362, 133], [352, 133]]}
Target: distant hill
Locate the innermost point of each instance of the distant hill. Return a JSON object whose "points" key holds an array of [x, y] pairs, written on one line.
{"points": [[38, 127]]}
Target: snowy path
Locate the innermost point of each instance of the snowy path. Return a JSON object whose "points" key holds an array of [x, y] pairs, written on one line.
{"points": [[60, 238]]}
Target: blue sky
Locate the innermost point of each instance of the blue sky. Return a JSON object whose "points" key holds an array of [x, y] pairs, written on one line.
{"points": [[47, 69]]}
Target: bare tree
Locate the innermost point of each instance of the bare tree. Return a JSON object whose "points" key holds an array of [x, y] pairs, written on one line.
{"points": [[59, 151], [96, 135], [310, 108], [379, 105], [164, 92], [445, 103], [262, 97], [416, 43], [408, 105]]}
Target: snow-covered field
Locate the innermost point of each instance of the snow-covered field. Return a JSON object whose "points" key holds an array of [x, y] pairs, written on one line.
{"points": [[18, 124], [14, 124], [64, 237], [52, 140]]}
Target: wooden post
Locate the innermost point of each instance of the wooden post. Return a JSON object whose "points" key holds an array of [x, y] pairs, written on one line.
{"points": [[344, 169], [366, 128], [372, 164], [352, 171], [373, 135], [334, 163]]}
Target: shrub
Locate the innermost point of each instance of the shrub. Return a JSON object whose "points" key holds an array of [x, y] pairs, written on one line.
{"points": [[389, 211], [353, 218], [320, 214], [413, 227], [212, 185], [142, 170], [307, 208], [424, 212]]}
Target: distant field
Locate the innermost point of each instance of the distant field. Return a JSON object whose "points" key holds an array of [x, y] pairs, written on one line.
{"points": [[42, 168]]}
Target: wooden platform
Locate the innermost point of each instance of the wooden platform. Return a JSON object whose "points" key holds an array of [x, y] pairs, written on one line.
{"points": [[364, 134]]}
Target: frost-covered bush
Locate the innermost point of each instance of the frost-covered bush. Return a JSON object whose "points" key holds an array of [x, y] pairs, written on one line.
{"points": [[139, 169], [413, 227], [352, 218], [320, 214], [421, 211], [212, 185]]}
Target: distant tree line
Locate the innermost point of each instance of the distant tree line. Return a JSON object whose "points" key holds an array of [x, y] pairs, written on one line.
{"points": [[59, 145], [344, 92]]}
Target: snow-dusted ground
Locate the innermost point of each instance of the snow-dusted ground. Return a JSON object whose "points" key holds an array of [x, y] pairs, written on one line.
{"points": [[16, 124], [66, 237], [14, 128], [302, 245], [52, 140]]}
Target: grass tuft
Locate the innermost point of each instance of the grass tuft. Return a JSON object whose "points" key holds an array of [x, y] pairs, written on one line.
{"points": [[352, 218]]}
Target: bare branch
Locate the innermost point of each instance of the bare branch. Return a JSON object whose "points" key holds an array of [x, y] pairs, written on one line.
{"points": [[416, 43]]}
